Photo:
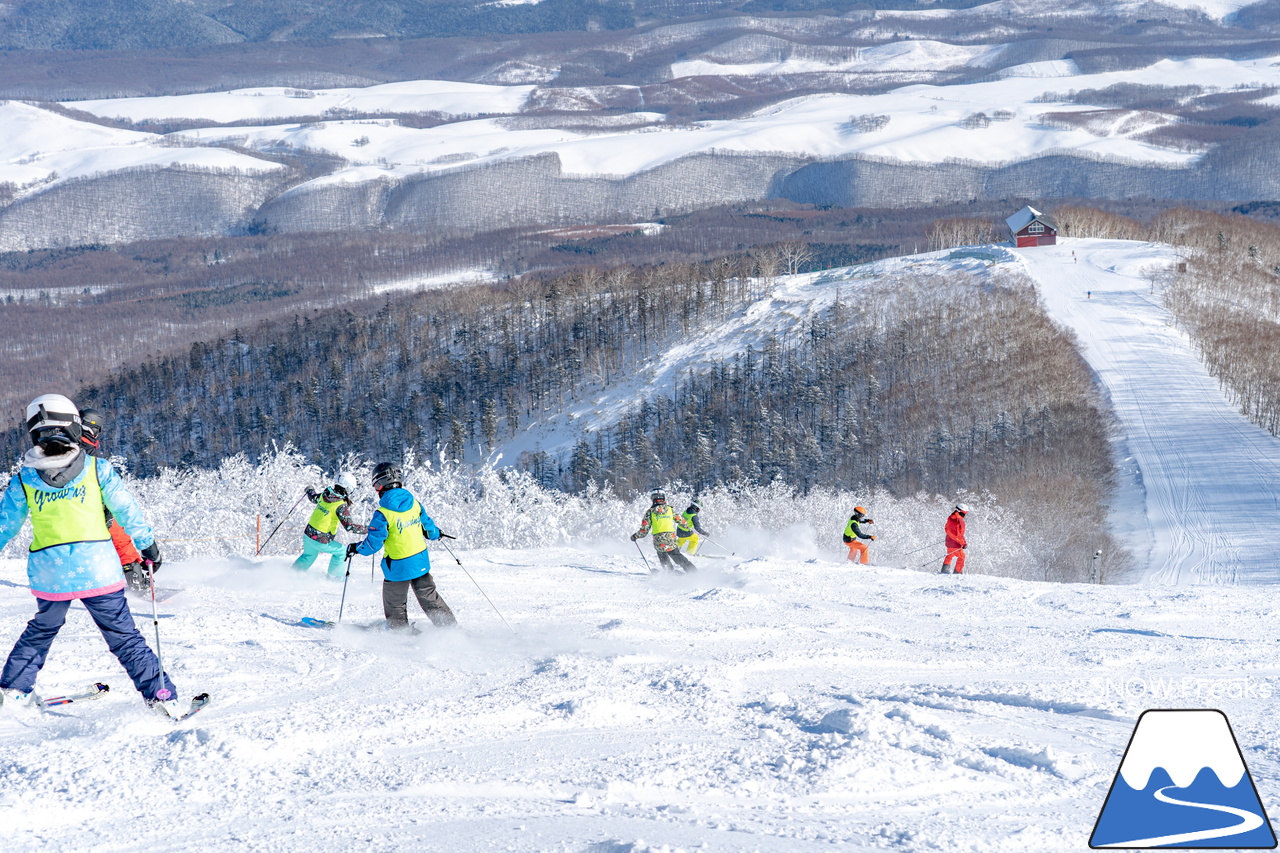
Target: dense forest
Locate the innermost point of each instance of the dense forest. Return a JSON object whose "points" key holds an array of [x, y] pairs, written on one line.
{"points": [[909, 383]]}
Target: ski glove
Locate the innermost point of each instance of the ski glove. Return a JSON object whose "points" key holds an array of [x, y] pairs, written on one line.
{"points": [[152, 553], [351, 549], [635, 536], [873, 538]]}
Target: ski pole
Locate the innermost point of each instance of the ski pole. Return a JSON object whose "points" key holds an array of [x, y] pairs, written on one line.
{"points": [[444, 536], [918, 550], [163, 693], [721, 547], [278, 526], [643, 557], [342, 604]]}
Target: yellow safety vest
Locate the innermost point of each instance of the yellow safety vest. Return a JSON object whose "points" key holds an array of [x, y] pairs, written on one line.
{"points": [[325, 516], [404, 532], [662, 520], [684, 521], [71, 514]]}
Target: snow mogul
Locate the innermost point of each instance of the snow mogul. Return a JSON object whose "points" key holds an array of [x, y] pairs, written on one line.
{"points": [[64, 492], [401, 527]]}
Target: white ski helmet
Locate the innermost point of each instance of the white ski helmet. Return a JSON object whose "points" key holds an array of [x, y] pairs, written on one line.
{"points": [[964, 508], [345, 482], [50, 413]]}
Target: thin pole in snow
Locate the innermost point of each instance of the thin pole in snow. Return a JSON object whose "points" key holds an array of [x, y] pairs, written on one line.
{"points": [[443, 537], [163, 693], [342, 604]]}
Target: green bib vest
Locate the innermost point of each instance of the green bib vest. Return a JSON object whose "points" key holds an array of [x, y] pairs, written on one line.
{"points": [[404, 532], [325, 516], [72, 514], [684, 521], [662, 520], [850, 529]]}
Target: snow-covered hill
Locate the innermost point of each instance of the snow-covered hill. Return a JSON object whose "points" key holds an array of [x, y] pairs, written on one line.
{"points": [[1208, 480], [778, 700]]}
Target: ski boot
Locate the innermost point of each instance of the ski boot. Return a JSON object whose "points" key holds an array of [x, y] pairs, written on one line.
{"points": [[16, 699], [946, 569]]}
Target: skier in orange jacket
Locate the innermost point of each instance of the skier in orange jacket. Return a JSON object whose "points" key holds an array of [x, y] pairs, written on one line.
{"points": [[956, 542], [135, 575]]}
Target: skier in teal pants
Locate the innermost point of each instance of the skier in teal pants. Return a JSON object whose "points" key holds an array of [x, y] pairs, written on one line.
{"points": [[333, 506]]}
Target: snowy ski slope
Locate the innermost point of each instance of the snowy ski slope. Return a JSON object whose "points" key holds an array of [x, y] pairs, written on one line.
{"points": [[779, 700], [1209, 479]]}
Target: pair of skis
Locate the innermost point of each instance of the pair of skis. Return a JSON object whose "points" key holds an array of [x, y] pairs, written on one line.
{"points": [[98, 690]]}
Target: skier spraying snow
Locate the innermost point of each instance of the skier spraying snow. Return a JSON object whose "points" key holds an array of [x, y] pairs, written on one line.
{"points": [[689, 530], [853, 535], [401, 527], [64, 491], [135, 575], [333, 507], [955, 543], [660, 520]]}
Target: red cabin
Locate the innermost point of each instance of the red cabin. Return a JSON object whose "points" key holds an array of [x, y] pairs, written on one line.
{"points": [[1030, 227]]}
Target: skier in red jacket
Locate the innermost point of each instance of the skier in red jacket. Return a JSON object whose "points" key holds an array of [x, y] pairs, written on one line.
{"points": [[135, 574], [956, 542]]}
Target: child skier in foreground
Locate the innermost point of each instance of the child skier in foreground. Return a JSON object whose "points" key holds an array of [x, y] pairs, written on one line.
{"points": [[401, 527], [64, 491]]}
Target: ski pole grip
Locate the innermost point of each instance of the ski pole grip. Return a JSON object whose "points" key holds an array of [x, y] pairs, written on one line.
{"points": [[447, 536]]}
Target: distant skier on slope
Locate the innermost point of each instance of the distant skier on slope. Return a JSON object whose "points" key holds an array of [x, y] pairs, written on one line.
{"points": [[853, 534], [660, 520], [689, 529], [64, 491], [955, 541], [333, 507], [135, 574], [401, 527]]}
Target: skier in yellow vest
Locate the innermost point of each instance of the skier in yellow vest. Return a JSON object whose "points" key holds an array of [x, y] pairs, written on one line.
{"points": [[660, 521], [333, 506], [401, 528], [63, 490], [853, 533], [689, 529]]}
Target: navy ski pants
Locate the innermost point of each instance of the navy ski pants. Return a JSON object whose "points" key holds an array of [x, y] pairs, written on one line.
{"points": [[111, 614]]}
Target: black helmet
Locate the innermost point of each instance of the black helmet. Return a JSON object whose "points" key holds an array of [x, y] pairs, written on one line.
{"points": [[387, 476], [693, 507], [91, 423]]}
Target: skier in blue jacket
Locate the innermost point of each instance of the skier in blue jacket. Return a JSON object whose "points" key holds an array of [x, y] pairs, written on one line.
{"points": [[401, 527], [63, 491]]}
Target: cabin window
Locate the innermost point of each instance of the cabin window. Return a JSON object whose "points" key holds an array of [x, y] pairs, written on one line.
{"points": [[1036, 228]]}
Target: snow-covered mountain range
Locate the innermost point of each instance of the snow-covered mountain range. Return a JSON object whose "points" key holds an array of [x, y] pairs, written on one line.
{"points": [[881, 111]]}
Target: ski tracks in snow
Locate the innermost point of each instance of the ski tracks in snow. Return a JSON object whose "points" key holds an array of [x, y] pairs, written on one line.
{"points": [[1208, 477]]}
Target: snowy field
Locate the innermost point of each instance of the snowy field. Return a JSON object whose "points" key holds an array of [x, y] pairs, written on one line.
{"points": [[769, 704], [912, 124]]}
